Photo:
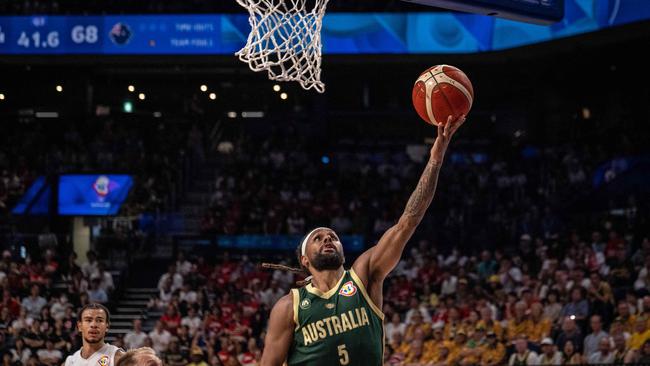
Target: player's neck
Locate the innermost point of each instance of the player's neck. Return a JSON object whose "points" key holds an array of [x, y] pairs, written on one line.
{"points": [[326, 280], [88, 349]]}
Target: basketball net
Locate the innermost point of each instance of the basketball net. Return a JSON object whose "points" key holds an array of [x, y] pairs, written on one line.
{"points": [[285, 40]]}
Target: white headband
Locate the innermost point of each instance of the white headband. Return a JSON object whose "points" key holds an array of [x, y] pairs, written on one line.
{"points": [[303, 246]]}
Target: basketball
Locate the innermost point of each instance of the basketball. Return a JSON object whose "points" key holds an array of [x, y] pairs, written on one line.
{"points": [[442, 91]]}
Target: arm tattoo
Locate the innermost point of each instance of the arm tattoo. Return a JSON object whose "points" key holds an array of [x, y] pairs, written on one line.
{"points": [[423, 194]]}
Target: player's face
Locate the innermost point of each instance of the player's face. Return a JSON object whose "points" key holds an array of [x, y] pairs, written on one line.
{"points": [[93, 325], [325, 251]]}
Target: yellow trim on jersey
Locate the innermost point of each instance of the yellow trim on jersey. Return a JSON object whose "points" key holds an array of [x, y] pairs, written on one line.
{"points": [[328, 294], [365, 295], [296, 300]]}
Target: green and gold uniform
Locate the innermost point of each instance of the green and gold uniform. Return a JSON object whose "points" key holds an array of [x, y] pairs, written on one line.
{"points": [[340, 327]]}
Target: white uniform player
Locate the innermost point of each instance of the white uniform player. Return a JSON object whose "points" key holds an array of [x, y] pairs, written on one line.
{"points": [[92, 323], [105, 356]]}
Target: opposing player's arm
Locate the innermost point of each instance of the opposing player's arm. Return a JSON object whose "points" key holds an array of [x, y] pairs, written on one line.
{"points": [[383, 257], [279, 334]]}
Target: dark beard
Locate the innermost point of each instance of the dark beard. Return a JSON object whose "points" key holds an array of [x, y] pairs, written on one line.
{"points": [[91, 342], [327, 262]]}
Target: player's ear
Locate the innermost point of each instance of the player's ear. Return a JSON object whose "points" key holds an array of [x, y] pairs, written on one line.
{"points": [[304, 261]]}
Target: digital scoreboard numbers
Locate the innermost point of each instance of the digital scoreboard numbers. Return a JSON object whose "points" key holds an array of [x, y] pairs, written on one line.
{"points": [[196, 34], [50, 35]]}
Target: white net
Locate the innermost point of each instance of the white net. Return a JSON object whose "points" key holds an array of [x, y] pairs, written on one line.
{"points": [[285, 40]]}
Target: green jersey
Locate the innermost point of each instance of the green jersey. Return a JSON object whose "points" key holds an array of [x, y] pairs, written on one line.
{"points": [[340, 327]]}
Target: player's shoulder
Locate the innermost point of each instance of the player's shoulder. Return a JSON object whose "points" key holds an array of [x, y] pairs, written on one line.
{"points": [[285, 302], [69, 361], [115, 350], [283, 308]]}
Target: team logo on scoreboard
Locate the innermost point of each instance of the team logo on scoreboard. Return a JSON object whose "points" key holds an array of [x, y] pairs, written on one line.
{"points": [[120, 34], [305, 304], [102, 186], [103, 361], [348, 289]]}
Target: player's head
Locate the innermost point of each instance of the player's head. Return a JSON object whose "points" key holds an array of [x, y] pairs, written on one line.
{"points": [[143, 356], [321, 250], [92, 322]]}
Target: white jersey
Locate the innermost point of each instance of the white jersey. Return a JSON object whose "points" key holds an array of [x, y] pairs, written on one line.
{"points": [[104, 357]]}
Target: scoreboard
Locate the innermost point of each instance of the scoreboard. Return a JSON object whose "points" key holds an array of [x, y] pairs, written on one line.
{"points": [[342, 33], [125, 34]]}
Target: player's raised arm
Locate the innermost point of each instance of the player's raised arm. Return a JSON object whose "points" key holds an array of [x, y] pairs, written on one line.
{"points": [[279, 334], [384, 256]]}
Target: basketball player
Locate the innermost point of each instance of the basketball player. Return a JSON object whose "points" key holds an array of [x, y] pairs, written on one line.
{"points": [[92, 323], [337, 319]]}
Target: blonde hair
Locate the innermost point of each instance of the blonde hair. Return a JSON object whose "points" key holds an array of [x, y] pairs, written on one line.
{"points": [[143, 356]]}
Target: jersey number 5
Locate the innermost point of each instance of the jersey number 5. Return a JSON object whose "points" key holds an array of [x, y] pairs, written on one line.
{"points": [[343, 354]]}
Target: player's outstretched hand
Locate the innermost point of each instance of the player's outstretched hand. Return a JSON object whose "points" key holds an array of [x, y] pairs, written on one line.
{"points": [[447, 130]]}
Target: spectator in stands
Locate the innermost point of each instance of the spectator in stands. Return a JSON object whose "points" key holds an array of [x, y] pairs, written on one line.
{"points": [[106, 278], [395, 325], [592, 340], [34, 302], [50, 356], [604, 355], [61, 337], [540, 327], [135, 338], [569, 354], [522, 355], [570, 332], [295, 224], [174, 356], [77, 285], [96, 293], [640, 334], [187, 294], [643, 357], [58, 308], [449, 284], [578, 308], [552, 307], [520, 324], [159, 337], [417, 307], [549, 355], [487, 267], [91, 268], [9, 302], [192, 321], [176, 279], [494, 352], [271, 295], [19, 352], [625, 317], [197, 357], [171, 319], [252, 356], [601, 299]]}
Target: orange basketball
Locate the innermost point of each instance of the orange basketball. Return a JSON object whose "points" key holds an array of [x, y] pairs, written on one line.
{"points": [[442, 91]]}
